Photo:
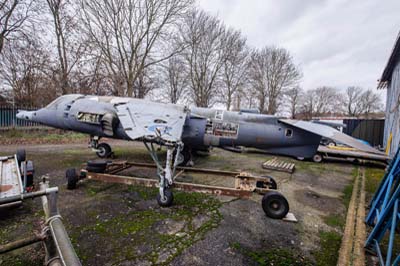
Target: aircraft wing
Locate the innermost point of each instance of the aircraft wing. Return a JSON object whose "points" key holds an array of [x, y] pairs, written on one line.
{"points": [[142, 119], [331, 133]]}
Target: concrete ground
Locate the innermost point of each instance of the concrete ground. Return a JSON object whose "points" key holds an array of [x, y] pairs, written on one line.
{"points": [[123, 225]]}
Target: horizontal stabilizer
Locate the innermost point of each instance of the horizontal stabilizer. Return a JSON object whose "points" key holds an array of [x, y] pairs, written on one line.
{"points": [[330, 133]]}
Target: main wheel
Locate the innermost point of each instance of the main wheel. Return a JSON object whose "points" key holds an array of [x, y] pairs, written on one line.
{"points": [[21, 155], [275, 205], [167, 200], [317, 158], [104, 150], [185, 156], [72, 178]]}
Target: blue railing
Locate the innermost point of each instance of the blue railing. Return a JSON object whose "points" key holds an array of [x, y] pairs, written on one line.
{"points": [[384, 215]]}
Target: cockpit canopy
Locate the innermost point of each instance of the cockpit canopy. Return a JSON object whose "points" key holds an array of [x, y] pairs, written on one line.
{"points": [[63, 99]]}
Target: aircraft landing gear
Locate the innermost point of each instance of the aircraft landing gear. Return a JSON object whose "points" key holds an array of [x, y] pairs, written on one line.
{"points": [[166, 175], [103, 150], [167, 199]]}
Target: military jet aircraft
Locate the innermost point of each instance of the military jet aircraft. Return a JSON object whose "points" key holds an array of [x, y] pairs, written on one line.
{"points": [[181, 129]]}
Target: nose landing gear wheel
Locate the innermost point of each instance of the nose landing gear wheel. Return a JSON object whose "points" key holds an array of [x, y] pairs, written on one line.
{"points": [[275, 205], [104, 150], [167, 200]]}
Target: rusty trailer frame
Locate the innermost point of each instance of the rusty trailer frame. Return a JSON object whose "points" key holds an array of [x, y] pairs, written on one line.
{"points": [[245, 183], [245, 186]]}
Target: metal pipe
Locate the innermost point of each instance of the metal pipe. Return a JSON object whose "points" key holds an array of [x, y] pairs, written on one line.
{"points": [[60, 248], [63, 243], [28, 195], [21, 243]]}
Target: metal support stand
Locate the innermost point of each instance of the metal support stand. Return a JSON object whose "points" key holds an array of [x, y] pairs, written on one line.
{"points": [[166, 175], [384, 214], [59, 250]]}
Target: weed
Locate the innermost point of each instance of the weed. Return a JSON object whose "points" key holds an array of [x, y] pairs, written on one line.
{"points": [[329, 248], [335, 220]]}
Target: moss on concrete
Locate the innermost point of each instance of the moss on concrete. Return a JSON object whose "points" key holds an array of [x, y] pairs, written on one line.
{"points": [[276, 257], [143, 235]]}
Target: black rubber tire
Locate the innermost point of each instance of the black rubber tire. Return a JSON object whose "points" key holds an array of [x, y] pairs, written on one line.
{"points": [[96, 166], [272, 183], [72, 178], [331, 144], [168, 200], [264, 184], [21, 155], [275, 205], [105, 150], [317, 158], [186, 153]]}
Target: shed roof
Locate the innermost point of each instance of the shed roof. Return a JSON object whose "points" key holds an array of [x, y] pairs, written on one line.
{"points": [[393, 59]]}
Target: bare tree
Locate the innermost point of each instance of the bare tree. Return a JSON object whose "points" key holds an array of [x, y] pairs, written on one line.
{"points": [[70, 46], [13, 15], [234, 68], [361, 102], [293, 97], [352, 100], [272, 71], [176, 79], [204, 37], [131, 35], [370, 102], [321, 101], [23, 70]]}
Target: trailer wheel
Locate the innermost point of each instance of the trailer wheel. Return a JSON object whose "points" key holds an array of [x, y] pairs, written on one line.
{"points": [[72, 178], [331, 144], [21, 155], [271, 184], [96, 166], [105, 150], [275, 205], [167, 200], [317, 158]]}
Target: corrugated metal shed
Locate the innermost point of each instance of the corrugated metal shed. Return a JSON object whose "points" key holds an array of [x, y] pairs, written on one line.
{"points": [[391, 80]]}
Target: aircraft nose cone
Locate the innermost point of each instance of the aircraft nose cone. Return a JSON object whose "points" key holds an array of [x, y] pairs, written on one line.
{"points": [[25, 115]]}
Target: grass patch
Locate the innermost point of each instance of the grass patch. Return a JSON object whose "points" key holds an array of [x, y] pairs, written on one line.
{"points": [[276, 257], [373, 177], [335, 220], [348, 190], [44, 136], [329, 248]]}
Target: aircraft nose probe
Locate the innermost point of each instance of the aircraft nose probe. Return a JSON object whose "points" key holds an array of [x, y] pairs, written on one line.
{"points": [[25, 115]]}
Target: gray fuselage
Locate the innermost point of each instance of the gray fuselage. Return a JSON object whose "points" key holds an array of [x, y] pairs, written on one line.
{"points": [[203, 128]]}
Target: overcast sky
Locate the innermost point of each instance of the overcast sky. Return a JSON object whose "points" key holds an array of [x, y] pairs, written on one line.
{"points": [[336, 43]]}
